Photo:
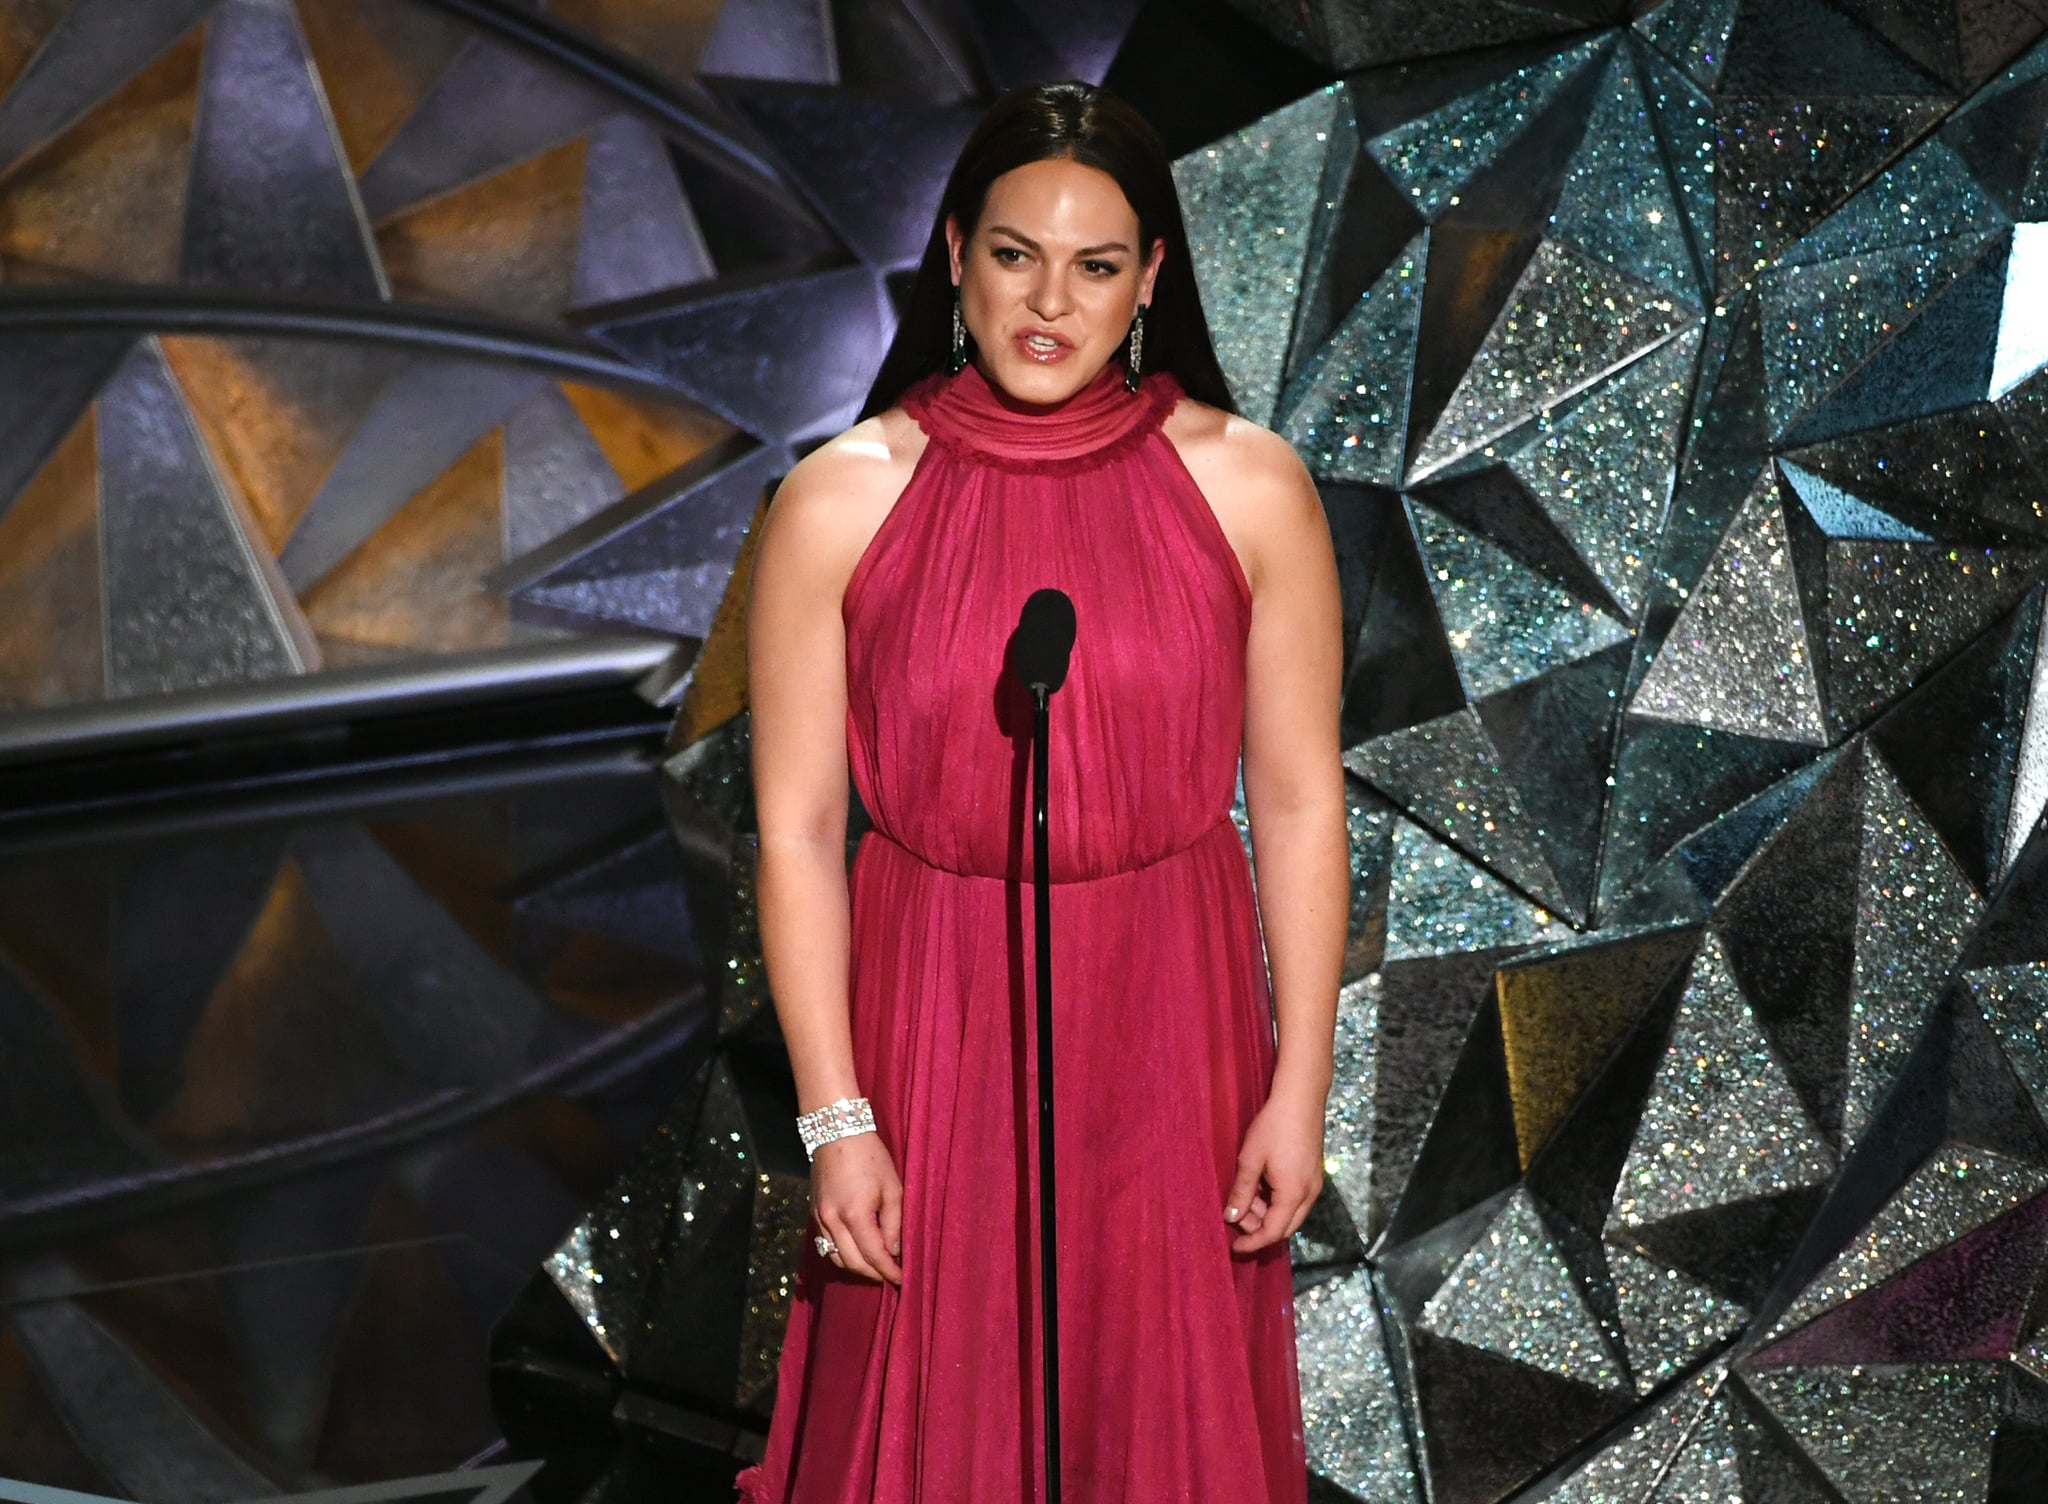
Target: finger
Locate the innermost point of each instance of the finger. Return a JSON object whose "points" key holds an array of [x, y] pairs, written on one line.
{"points": [[874, 1248], [849, 1256], [1255, 1215], [892, 1219], [1242, 1189]]}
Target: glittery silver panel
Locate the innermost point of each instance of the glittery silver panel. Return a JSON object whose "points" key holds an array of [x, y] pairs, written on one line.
{"points": [[1839, 515], [1914, 910], [1431, 156], [1684, 117], [1959, 1189], [1618, 202], [1521, 1291], [1250, 200], [1693, 33], [1603, 472], [1387, 30], [781, 1221], [1820, 322], [1445, 774], [1722, 1123], [1783, 163], [1348, 1111], [1737, 658], [555, 474], [1570, 321], [1351, 1411], [637, 233], [2030, 767], [1929, 195], [1347, 413], [270, 203], [1440, 903], [189, 599], [1505, 623], [1895, 610], [1907, 1435], [1624, 1471], [2014, 1001], [1667, 1320]]}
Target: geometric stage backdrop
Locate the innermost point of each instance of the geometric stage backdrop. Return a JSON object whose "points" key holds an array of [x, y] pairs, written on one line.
{"points": [[1675, 384]]}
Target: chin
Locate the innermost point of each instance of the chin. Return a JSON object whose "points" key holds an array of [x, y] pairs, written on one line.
{"points": [[1029, 382]]}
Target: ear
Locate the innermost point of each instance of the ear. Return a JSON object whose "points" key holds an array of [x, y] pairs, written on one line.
{"points": [[1151, 274], [956, 244]]}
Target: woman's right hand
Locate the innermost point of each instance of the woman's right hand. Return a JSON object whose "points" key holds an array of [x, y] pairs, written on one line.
{"points": [[857, 1198]]}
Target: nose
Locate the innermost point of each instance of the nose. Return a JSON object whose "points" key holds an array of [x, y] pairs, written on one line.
{"points": [[1050, 297]]}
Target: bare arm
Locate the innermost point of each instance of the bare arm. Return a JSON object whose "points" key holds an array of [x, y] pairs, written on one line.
{"points": [[1293, 780], [1294, 792], [822, 517]]}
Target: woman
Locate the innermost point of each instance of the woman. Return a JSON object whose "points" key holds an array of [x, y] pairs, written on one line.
{"points": [[1051, 413]]}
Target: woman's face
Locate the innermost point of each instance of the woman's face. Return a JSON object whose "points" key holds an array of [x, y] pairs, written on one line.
{"points": [[1051, 277]]}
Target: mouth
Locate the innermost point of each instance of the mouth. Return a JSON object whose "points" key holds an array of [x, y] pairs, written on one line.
{"points": [[1043, 347]]}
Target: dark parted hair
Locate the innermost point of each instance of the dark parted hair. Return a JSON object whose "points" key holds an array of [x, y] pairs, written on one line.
{"points": [[1095, 128]]}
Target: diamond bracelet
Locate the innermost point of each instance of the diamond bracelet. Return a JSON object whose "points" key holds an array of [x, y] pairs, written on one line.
{"points": [[847, 1116]]}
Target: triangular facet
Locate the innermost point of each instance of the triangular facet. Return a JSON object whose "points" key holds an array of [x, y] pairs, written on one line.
{"points": [[1609, 497], [1723, 1124], [1445, 775], [1952, 1194], [1348, 410], [1737, 658], [1571, 321], [1250, 203], [1914, 910], [1912, 1432], [1506, 624]]}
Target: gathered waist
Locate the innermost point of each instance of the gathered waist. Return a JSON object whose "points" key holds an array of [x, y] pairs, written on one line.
{"points": [[1221, 826]]}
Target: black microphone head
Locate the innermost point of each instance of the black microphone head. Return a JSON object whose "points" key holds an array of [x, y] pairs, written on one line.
{"points": [[1045, 639]]}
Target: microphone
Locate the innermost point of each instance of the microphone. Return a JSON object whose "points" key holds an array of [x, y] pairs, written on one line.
{"points": [[1044, 641]]}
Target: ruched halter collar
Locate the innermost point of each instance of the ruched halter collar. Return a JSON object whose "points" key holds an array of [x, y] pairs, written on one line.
{"points": [[967, 415]]}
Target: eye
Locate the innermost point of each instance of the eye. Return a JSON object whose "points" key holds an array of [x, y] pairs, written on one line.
{"points": [[1102, 268], [1002, 253]]}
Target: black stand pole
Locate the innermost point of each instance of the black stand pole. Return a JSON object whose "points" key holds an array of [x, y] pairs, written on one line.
{"points": [[1041, 901]]}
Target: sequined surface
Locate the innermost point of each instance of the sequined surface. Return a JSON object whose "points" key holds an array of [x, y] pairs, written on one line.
{"points": [[1249, 203], [1723, 1123], [1671, 390]]}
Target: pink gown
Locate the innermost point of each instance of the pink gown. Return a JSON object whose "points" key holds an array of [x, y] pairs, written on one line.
{"points": [[1178, 1380]]}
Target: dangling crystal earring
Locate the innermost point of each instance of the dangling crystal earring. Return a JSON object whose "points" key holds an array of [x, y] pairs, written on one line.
{"points": [[958, 360], [1137, 355]]}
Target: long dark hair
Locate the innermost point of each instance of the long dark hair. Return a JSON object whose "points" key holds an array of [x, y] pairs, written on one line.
{"points": [[1096, 129]]}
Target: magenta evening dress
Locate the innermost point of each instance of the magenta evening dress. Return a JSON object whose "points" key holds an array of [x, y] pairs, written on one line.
{"points": [[1178, 1380]]}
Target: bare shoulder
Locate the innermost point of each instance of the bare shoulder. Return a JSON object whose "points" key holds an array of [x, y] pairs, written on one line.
{"points": [[831, 503], [1253, 480]]}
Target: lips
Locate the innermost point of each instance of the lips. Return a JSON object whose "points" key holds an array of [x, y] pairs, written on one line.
{"points": [[1042, 346]]}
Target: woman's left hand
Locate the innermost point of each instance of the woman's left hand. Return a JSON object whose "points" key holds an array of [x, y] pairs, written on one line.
{"points": [[1279, 1170]]}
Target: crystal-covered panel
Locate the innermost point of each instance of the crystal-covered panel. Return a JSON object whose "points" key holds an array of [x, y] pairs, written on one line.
{"points": [[1250, 201]]}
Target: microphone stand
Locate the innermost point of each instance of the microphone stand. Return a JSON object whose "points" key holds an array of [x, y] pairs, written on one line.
{"points": [[1041, 909]]}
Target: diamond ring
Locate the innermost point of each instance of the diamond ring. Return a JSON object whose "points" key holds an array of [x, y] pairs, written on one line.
{"points": [[825, 1245]]}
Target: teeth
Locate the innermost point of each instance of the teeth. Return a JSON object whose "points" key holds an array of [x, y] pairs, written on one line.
{"points": [[1040, 342]]}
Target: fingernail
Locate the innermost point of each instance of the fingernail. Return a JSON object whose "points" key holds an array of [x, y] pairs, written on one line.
{"points": [[1230, 1214]]}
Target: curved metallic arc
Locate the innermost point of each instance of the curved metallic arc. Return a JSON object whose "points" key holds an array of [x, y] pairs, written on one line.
{"points": [[634, 84], [428, 330]]}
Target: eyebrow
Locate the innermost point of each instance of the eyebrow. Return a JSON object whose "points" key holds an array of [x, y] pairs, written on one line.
{"points": [[1029, 244]]}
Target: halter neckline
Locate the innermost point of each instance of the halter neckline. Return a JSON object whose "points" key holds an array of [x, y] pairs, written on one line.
{"points": [[968, 415]]}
